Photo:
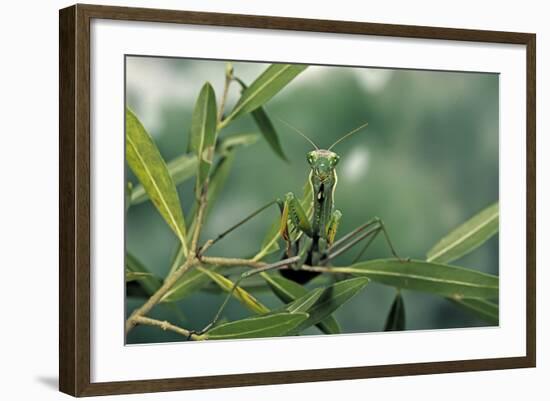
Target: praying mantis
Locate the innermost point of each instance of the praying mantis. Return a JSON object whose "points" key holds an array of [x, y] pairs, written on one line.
{"points": [[310, 233]]}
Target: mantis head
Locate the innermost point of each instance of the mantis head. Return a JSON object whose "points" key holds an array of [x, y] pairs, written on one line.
{"points": [[322, 162]]}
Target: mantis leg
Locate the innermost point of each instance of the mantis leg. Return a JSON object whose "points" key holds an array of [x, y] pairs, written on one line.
{"points": [[332, 226], [282, 264], [293, 211], [304, 245], [324, 242], [211, 242], [354, 232], [376, 227]]}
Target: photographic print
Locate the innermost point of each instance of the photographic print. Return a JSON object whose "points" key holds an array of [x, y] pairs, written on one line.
{"points": [[269, 199], [360, 196]]}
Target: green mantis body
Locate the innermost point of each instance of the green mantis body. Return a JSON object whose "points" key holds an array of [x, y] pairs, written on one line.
{"points": [[309, 233], [317, 233]]}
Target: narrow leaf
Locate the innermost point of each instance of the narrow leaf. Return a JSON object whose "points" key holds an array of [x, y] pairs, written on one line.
{"points": [[275, 325], [133, 276], [180, 169], [227, 148], [231, 142], [250, 284], [482, 308], [217, 182], [177, 259], [304, 303], [467, 237], [241, 295], [396, 317], [452, 281], [145, 160], [332, 298], [219, 178], [267, 85], [128, 196], [270, 242], [289, 291], [266, 128], [137, 271], [203, 133], [191, 282], [184, 166]]}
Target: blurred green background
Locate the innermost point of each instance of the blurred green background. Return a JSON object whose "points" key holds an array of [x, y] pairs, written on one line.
{"points": [[427, 161]]}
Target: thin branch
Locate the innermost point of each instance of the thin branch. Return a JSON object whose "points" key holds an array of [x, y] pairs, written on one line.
{"points": [[165, 325], [193, 257], [228, 79], [213, 260], [324, 269], [157, 296], [200, 217]]}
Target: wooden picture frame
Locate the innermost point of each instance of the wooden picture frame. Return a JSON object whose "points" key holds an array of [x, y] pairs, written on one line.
{"points": [[75, 207]]}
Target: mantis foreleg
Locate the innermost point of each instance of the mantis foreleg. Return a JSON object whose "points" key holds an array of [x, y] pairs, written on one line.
{"points": [[294, 212]]}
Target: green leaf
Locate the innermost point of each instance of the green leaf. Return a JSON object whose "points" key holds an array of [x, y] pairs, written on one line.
{"points": [[270, 242], [267, 85], [177, 259], [289, 291], [396, 318], [228, 147], [184, 166], [136, 270], [219, 178], [217, 182], [266, 128], [221, 171], [467, 237], [231, 142], [241, 295], [145, 160], [250, 284], [191, 281], [128, 196], [134, 276], [180, 169], [275, 325], [203, 133], [483, 308], [452, 281], [332, 298], [304, 303]]}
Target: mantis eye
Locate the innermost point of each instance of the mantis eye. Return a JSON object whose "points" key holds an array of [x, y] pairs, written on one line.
{"points": [[334, 160], [310, 158]]}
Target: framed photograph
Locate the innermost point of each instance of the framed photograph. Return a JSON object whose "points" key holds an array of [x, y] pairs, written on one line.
{"points": [[250, 200]]}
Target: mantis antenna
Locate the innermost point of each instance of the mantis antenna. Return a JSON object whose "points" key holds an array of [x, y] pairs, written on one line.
{"points": [[298, 131], [348, 134]]}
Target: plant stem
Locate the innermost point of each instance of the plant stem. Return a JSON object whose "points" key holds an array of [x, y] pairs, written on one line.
{"points": [[157, 296], [191, 261], [200, 217], [326, 269], [165, 325], [212, 260], [228, 79]]}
